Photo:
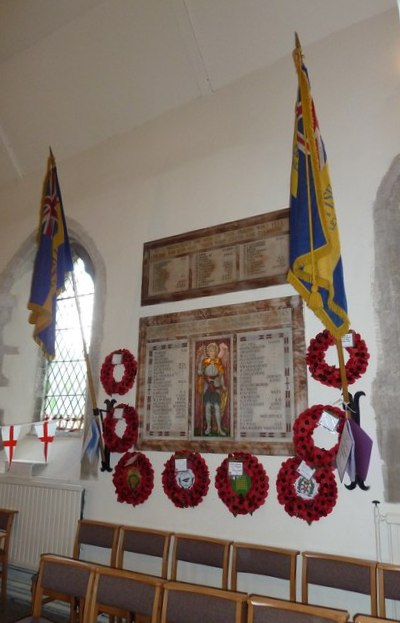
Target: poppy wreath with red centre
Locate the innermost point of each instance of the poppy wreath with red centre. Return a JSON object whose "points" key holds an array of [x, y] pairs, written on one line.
{"points": [[242, 503], [303, 428], [133, 478], [121, 444], [321, 371], [295, 506], [196, 489], [110, 385]]}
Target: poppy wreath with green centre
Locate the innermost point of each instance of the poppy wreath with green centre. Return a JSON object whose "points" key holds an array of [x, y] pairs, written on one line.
{"points": [[308, 499], [110, 385], [303, 428], [133, 478], [326, 374], [245, 493], [121, 444], [186, 488]]}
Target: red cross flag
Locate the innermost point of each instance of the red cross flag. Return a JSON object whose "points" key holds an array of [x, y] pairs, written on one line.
{"points": [[9, 435], [46, 432]]}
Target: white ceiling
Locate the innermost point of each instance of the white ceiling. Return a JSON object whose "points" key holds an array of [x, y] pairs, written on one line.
{"points": [[74, 73]]}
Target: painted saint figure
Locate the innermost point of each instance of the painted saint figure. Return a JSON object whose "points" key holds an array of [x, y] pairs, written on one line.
{"points": [[211, 377]]}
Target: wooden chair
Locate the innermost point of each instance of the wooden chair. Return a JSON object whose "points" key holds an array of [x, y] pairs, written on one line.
{"points": [[6, 521], [388, 576], [340, 572], [201, 550], [273, 562], [269, 610], [65, 579], [97, 541], [136, 542], [184, 603], [368, 618], [118, 593]]}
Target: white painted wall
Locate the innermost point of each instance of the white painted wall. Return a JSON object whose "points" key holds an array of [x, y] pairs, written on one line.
{"points": [[227, 157]]}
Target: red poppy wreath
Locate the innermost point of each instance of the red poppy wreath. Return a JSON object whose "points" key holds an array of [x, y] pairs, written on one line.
{"points": [[321, 371], [188, 486], [303, 428], [133, 478], [110, 385], [121, 444], [308, 499], [244, 493]]}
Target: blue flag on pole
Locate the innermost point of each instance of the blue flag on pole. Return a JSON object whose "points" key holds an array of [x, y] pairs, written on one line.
{"points": [[91, 443], [52, 263], [315, 259]]}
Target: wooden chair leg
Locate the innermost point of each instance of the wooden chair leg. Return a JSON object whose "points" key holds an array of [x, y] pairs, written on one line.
{"points": [[4, 571]]}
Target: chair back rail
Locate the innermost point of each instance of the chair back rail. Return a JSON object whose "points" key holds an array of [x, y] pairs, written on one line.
{"points": [[357, 575], [388, 576], [201, 550], [263, 609], [67, 579], [7, 517], [120, 593], [266, 561], [145, 541], [194, 603], [101, 534]]}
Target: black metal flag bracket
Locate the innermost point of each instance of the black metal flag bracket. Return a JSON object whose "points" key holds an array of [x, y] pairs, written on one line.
{"points": [[105, 464]]}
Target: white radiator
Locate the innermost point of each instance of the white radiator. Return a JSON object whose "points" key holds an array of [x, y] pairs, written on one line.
{"points": [[48, 512], [387, 535], [387, 540]]}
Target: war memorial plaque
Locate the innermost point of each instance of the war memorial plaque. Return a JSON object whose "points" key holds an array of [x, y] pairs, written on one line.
{"points": [[223, 378], [244, 254]]}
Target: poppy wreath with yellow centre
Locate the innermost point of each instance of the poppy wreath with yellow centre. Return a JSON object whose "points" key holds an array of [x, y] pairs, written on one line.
{"points": [[326, 374], [308, 499], [110, 385], [133, 478], [121, 444], [187, 487], [303, 428], [245, 493]]}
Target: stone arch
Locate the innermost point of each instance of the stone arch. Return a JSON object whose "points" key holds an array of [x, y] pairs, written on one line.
{"points": [[21, 263]]}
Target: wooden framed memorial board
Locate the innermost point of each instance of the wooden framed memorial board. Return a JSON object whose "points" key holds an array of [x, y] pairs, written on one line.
{"points": [[240, 255], [223, 378]]}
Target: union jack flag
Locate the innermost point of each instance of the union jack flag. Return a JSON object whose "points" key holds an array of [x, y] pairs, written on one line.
{"points": [[50, 203], [52, 263]]}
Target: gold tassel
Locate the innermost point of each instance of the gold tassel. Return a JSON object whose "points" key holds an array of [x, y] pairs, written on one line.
{"points": [[315, 298]]}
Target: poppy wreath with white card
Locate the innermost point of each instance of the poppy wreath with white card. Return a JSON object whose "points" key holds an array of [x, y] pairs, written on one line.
{"points": [[107, 378], [309, 496], [186, 478], [326, 374], [242, 483], [304, 427]]}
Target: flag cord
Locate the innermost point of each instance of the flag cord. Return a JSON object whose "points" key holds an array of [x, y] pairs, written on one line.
{"points": [[92, 392], [343, 376], [310, 219]]}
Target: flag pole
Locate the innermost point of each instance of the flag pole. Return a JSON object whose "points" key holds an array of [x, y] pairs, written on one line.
{"points": [[92, 392], [315, 297]]}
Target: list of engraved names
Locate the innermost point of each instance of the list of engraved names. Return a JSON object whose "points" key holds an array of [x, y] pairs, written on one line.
{"points": [[265, 382], [167, 389]]}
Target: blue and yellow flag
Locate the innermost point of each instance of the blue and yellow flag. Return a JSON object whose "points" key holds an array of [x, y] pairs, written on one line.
{"points": [[52, 263], [315, 262]]}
